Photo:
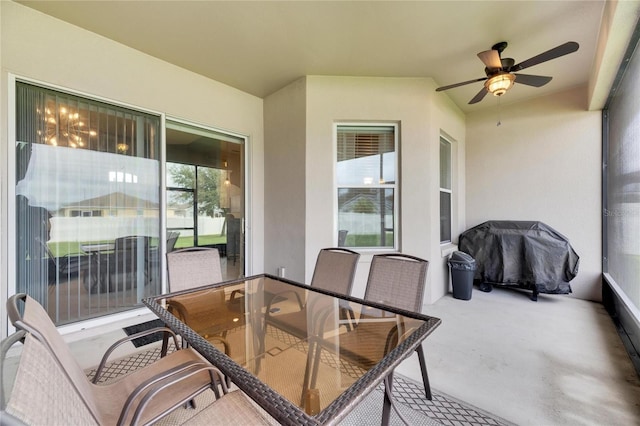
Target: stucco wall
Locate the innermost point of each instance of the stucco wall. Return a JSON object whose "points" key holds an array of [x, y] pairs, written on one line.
{"points": [[542, 163], [284, 180], [39, 47], [421, 115]]}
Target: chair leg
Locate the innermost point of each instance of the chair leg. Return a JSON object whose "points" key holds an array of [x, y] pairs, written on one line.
{"points": [[316, 365], [386, 406], [310, 371], [165, 345], [425, 376]]}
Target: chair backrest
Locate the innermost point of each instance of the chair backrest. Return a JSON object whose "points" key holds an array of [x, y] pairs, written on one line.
{"points": [[52, 357], [397, 280], [193, 267], [342, 237], [126, 251], [42, 392], [172, 238], [335, 270]]}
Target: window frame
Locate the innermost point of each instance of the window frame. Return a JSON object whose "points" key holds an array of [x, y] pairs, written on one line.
{"points": [[395, 186], [12, 132], [449, 191]]}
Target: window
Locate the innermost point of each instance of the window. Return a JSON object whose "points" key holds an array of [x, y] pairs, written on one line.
{"points": [[85, 213], [367, 185], [445, 191], [195, 200], [87, 177]]}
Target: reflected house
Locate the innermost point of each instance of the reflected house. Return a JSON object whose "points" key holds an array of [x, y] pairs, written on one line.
{"points": [[86, 175], [121, 220], [97, 196], [107, 218], [180, 210], [115, 204]]}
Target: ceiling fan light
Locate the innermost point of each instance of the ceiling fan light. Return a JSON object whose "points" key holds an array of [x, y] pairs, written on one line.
{"points": [[500, 83]]}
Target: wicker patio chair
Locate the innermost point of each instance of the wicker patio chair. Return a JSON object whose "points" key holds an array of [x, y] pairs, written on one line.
{"points": [[49, 374], [334, 271], [395, 280]]}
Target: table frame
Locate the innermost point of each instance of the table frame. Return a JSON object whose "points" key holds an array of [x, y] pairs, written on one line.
{"points": [[272, 402]]}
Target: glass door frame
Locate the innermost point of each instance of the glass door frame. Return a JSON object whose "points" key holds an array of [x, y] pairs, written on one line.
{"points": [[11, 158], [245, 234], [9, 218]]}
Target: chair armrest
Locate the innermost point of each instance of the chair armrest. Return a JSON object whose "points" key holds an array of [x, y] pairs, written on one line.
{"points": [[12, 307], [347, 314], [151, 387], [114, 346], [397, 334], [275, 295], [178, 310], [5, 345], [201, 302], [320, 316], [232, 298], [225, 343]]}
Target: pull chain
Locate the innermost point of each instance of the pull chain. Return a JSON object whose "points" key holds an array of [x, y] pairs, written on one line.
{"points": [[499, 122]]}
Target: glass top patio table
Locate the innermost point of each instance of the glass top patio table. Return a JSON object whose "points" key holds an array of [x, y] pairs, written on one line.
{"points": [[229, 324]]}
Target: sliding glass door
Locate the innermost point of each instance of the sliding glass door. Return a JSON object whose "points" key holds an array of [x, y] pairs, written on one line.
{"points": [[87, 204], [205, 193]]}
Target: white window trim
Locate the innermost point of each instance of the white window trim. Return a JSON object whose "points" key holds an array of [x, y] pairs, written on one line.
{"points": [[10, 290], [247, 222], [447, 244], [395, 186]]}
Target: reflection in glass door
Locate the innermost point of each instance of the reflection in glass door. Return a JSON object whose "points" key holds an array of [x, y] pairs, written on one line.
{"points": [[87, 204], [205, 193]]}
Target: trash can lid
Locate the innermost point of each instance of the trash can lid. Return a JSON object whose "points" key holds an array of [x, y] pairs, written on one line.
{"points": [[461, 257]]}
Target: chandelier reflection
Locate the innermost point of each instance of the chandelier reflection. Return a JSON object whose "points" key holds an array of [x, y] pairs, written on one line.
{"points": [[64, 127]]}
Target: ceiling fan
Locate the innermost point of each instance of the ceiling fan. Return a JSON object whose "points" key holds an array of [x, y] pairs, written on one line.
{"points": [[501, 71]]}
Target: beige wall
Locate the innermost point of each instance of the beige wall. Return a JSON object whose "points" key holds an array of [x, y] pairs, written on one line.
{"points": [[37, 46], [542, 163], [284, 180], [421, 115]]}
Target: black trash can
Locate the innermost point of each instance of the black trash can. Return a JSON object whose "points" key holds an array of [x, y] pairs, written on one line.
{"points": [[463, 268]]}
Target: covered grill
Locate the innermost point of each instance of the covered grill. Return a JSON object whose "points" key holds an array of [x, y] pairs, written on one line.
{"points": [[524, 254]]}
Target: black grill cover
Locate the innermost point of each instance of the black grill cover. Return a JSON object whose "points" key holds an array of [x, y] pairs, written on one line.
{"points": [[525, 254]]}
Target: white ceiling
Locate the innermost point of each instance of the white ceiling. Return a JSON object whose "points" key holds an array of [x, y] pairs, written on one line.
{"points": [[259, 47]]}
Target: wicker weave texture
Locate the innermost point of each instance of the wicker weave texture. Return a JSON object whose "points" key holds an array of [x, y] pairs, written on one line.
{"points": [[283, 410], [193, 267]]}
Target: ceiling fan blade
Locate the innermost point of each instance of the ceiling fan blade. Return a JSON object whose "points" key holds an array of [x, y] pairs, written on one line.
{"points": [[480, 96], [532, 80], [491, 59], [556, 52], [451, 86]]}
